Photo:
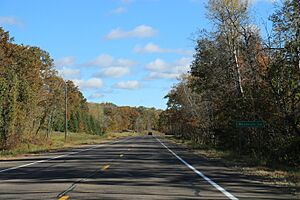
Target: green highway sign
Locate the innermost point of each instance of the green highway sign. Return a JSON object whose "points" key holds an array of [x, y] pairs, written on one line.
{"points": [[250, 124]]}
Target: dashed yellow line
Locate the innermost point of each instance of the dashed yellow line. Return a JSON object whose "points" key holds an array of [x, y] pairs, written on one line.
{"points": [[64, 198], [105, 167]]}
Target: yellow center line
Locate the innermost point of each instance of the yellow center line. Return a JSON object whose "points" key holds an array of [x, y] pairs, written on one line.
{"points": [[105, 167], [64, 198]]}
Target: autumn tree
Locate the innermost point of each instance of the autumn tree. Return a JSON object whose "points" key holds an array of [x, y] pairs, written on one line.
{"points": [[32, 97], [284, 80], [235, 77]]}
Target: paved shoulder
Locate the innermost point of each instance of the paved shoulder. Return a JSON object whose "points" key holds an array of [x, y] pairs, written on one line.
{"points": [[228, 181]]}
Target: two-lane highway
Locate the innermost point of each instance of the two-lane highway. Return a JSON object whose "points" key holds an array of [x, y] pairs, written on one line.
{"points": [[134, 168]]}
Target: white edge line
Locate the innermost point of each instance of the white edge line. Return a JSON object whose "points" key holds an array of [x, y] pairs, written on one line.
{"points": [[230, 196], [60, 156]]}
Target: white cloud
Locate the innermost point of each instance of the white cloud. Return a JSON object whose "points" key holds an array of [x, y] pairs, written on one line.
{"points": [[106, 60], [181, 65], [148, 48], [128, 85], [5, 20], [93, 83], [163, 75], [114, 72], [103, 60], [169, 70], [256, 1], [153, 48], [118, 10], [142, 31], [157, 65], [65, 61], [96, 96], [112, 67], [126, 62], [68, 73]]}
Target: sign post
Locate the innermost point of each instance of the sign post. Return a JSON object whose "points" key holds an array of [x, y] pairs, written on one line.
{"points": [[248, 124]]}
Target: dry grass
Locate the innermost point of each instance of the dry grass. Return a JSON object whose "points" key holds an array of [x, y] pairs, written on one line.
{"points": [[57, 141], [284, 177]]}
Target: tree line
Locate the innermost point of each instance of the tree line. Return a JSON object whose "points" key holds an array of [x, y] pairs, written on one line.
{"points": [[32, 96], [32, 100], [115, 118], [237, 75]]}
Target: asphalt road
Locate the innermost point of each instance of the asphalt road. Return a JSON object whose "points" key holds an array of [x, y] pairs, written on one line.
{"points": [[132, 168]]}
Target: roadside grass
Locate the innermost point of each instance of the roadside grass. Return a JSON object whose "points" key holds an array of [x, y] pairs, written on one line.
{"points": [[116, 135], [57, 141], [275, 174]]}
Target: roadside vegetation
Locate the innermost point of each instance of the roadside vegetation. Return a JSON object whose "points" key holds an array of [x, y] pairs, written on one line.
{"points": [[238, 74], [33, 109], [277, 174], [57, 141]]}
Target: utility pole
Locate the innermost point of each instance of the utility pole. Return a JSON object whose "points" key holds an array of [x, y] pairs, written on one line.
{"points": [[66, 110]]}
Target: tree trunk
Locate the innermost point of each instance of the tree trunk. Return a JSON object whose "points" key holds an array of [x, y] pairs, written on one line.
{"points": [[238, 73]]}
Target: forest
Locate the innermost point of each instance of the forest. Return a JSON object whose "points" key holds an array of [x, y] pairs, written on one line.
{"points": [[32, 101], [239, 75], [113, 118]]}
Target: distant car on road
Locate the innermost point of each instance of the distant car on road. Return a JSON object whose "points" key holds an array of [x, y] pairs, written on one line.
{"points": [[150, 133]]}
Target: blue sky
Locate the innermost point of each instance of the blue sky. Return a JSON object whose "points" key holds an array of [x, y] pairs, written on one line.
{"points": [[129, 52]]}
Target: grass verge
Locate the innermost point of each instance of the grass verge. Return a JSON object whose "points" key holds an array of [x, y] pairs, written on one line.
{"points": [[275, 175], [57, 141]]}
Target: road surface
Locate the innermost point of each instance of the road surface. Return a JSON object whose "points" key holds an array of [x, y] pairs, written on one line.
{"points": [[133, 168]]}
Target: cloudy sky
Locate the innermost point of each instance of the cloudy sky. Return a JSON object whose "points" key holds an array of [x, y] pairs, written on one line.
{"points": [[129, 52]]}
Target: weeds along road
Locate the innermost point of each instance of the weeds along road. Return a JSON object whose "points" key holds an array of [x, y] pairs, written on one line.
{"points": [[144, 167]]}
